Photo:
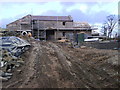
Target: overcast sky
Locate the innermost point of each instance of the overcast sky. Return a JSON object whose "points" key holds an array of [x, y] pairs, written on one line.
{"points": [[91, 12]]}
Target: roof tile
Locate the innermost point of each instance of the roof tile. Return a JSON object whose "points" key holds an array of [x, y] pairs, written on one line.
{"points": [[52, 18]]}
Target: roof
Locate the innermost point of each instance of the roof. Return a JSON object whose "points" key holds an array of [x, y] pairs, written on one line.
{"points": [[46, 18], [81, 24], [18, 20], [52, 18]]}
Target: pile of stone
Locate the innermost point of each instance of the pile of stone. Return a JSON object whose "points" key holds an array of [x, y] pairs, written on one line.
{"points": [[11, 49]]}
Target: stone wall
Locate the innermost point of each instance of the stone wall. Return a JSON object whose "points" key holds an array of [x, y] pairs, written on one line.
{"points": [[52, 24], [102, 45]]}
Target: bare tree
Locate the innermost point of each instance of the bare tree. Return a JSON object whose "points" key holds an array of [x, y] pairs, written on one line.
{"points": [[104, 30], [110, 24]]}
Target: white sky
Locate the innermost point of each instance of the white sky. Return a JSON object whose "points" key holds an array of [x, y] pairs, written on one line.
{"points": [[58, 0]]}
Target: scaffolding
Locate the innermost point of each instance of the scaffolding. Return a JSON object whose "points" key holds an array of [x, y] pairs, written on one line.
{"points": [[32, 26], [41, 32], [57, 29]]}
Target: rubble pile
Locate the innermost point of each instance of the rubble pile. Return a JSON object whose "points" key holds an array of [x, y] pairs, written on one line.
{"points": [[11, 49]]}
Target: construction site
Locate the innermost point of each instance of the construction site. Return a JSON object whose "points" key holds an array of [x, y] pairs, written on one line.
{"points": [[56, 52], [55, 65]]}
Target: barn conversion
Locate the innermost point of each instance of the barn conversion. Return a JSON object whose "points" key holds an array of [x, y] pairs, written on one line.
{"points": [[49, 27]]}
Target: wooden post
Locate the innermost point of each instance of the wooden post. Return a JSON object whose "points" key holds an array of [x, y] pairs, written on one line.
{"points": [[57, 29], [32, 26], [45, 31], [38, 28], [20, 25]]}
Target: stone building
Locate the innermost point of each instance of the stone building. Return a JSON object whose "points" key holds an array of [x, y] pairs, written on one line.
{"points": [[49, 27]]}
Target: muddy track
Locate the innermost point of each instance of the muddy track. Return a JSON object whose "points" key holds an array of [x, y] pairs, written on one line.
{"points": [[50, 65]]}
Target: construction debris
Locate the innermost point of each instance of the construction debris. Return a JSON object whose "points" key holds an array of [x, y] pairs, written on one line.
{"points": [[63, 39], [14, 45], [11, 49], [83, 47]]}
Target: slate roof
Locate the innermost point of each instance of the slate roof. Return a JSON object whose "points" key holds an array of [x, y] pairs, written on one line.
{"points": [[46, 18], [52, 18], [81, 24]]}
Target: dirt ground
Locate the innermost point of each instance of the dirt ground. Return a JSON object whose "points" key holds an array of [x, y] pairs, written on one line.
{"points": [[55, 65]]}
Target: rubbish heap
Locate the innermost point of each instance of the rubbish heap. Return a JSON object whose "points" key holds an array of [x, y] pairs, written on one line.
{"points": [[11, 49]]}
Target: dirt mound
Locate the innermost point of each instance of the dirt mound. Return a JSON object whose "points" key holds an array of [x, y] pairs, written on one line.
{"points": [[51, 65]]}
